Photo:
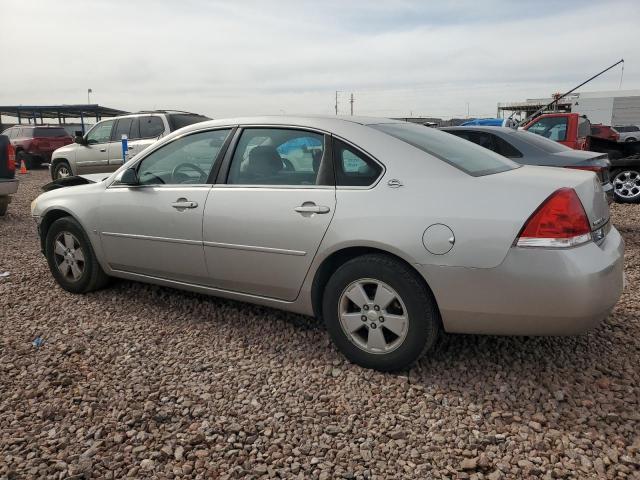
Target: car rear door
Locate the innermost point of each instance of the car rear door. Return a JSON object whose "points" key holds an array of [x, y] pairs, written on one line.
{"points": [[263, 225]]}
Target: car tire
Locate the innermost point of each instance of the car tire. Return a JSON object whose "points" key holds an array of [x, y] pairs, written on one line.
{"points": [[65, 238], [372, 343], [631, 139], [626, 185], [61, 169], [4, 205]]}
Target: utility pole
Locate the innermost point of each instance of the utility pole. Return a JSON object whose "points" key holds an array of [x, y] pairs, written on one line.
{"points": [[351, 101], [89, 92], [336, 102]]}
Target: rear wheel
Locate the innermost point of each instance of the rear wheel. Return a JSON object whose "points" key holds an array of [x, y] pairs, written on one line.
{"points": [[71, 258], [380, 313], [626, 185], [61, 170]]}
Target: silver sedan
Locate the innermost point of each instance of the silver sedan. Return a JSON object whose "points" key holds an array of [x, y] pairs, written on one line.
{"points": [[391, 232]]}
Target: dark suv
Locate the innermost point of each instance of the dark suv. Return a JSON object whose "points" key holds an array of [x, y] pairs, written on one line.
{"points": [[35, 144]]}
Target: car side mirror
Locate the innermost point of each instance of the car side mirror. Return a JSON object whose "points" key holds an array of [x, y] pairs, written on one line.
{"points": [[79, 138], [129, 177]]}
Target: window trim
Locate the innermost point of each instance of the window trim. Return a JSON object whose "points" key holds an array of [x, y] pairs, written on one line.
{"points": [[383, 170], [212, 174], [223, 175]]}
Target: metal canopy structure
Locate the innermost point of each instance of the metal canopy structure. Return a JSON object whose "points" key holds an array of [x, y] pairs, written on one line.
{"points": [[34, 114]]}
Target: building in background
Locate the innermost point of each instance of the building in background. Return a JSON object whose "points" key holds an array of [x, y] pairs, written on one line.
{"points": [[616, 107]]}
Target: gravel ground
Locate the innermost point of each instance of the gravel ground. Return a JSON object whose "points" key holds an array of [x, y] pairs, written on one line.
{"points": [[148, 382]]}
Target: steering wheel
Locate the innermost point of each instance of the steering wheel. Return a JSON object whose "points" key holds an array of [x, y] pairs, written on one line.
{"points": [[191, 166]]}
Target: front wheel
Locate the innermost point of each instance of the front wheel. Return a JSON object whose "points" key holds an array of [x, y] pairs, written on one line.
{"points": [[61, 170], [71, 258], [626, 185], [380, 313]]}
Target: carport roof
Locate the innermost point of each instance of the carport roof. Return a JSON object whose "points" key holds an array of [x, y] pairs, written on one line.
{"points": [[60, 111]]}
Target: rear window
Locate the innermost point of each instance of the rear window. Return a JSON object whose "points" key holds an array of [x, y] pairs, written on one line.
{"points": [[179, 120], [464, 155], [542, 143], [50, 132]]}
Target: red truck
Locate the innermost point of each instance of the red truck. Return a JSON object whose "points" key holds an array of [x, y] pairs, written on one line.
{"points": [[575, 131], [35, 144]]}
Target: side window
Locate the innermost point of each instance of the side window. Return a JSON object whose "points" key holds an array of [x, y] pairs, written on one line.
{"points": [[584, 127], [484, 140], [273, 156], [134, 132], [353, 168], [187, 160], [151, 126], [123, 127], [100, 133], [505, 149], [554, 128]]}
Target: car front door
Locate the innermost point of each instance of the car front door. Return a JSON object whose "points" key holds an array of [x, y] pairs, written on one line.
{"points": [[93, 155], [262, 228], [154, 228]]}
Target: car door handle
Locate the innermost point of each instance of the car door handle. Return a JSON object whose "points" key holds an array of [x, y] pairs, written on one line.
{"points": [[312, 209], [184, 203], [103, 150]]}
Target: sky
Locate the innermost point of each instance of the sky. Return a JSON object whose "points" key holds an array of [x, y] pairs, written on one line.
{"points": [[229, 58]]}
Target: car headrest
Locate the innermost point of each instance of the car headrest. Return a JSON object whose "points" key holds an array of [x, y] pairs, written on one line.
{"points": [[264, 160]]}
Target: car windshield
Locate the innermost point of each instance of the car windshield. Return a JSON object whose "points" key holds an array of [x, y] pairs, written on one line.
{"points": [[50, 132], [460, 153], [549, 146]]}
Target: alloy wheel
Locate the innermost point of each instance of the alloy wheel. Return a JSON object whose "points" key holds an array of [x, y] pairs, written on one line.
{"points": [[69, 256], [63, 171], [373, 316], [626, 184]]}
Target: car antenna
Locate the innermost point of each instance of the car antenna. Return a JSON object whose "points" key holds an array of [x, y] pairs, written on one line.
{"points": [[556, 99]]}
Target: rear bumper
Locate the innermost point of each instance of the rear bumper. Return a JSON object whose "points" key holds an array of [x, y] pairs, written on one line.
{"points": [[8, 186], [533, 292]]}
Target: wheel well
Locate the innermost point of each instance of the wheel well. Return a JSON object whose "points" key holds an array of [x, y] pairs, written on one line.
{"points": [[336, 259], [46, 223]]}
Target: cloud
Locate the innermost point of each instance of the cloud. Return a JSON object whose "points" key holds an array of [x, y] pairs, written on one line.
{"points": [[223, 59]]}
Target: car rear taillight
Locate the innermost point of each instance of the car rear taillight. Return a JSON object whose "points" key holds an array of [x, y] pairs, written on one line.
{"points": [[559, 222], [11, 158]]}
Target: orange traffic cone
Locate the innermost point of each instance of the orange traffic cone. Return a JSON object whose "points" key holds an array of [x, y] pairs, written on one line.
{"points": [[23, 167]]}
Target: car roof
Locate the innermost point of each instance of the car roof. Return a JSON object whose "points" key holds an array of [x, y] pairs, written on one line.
{"points": [[320, 122]]}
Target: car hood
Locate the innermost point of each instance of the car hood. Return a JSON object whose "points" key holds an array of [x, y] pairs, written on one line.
{"points": [[75, 180], [66, 151]]}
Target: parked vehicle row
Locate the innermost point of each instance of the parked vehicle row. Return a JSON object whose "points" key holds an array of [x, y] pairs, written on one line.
{"points": [[100, 150], [353, 221], [529, 149], [575, 131]]}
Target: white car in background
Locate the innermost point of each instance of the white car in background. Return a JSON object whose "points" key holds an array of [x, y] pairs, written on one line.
{"points": [[628, 133], [100, 150]]}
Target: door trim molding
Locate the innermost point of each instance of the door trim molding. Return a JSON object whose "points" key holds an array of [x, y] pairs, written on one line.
{"points": [[152, 238], [254, 248]]}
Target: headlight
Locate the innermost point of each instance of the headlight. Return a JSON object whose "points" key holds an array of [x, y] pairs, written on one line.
{"points": [[33, 205]]}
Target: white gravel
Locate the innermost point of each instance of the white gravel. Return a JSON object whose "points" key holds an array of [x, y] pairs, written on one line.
{"points": [[141, 381]]}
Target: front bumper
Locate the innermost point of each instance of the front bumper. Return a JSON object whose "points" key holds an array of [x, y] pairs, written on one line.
{"points": [[8, 186], [533, 291]]}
